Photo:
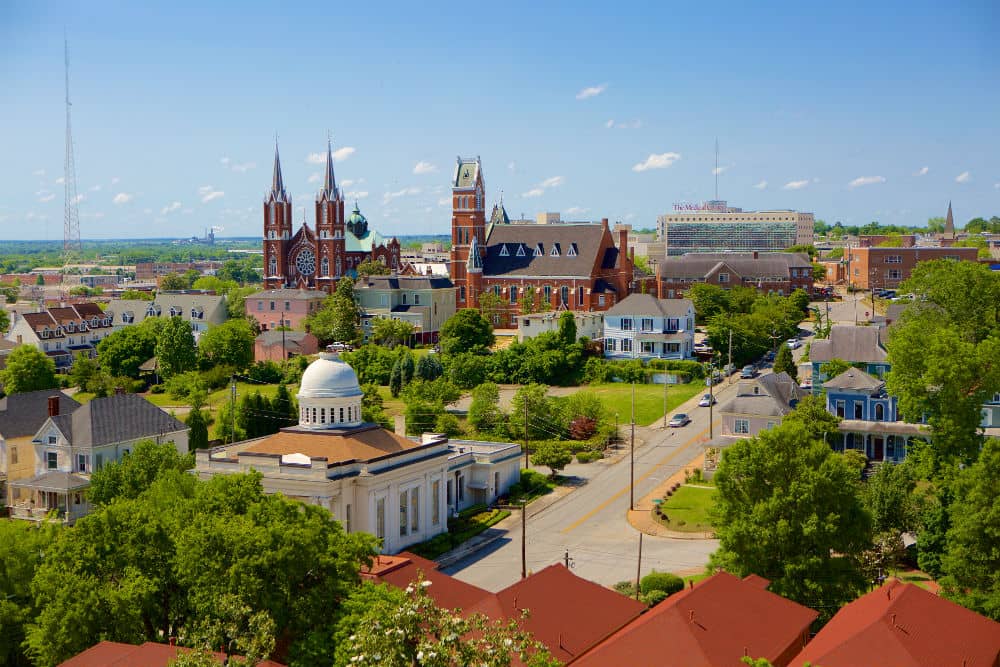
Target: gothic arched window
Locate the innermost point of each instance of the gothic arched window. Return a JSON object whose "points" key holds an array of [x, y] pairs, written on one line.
{"points": [[324, 266], [339, 266], [272, 266]]}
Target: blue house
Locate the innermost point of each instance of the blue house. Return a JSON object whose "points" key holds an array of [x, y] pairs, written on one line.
{"points": [[869, 417], [853, 344]]}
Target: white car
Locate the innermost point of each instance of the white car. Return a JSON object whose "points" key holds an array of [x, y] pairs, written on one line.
{"points": [[794, 343], [707, 400]]}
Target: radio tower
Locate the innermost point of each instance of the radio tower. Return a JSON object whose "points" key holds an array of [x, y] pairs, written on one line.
{"points": [[71, 214]]}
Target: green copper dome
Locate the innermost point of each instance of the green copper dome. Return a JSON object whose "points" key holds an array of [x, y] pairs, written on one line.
{"points": [[356, 218]]}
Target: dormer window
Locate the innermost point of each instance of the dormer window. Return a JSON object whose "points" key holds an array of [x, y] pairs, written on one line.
{"points": [[503, 251], [70, 327], [197, 313], [572, 250], [520, 250], [45, 332], [539, 251], [555, 250]]}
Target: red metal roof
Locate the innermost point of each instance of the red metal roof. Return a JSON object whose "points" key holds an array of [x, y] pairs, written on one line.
{"points": [[446, 591], [115, 654], [714, 624], [903, 625]]}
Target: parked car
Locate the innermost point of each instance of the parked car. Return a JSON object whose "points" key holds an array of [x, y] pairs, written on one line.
{"points": [[678, 420], [715, 378], [769, 357], [748, 373], [339, 347], [807, 384], [794, 343], [707, 400]]}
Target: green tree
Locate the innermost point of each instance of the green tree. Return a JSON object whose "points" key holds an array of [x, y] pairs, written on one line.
{"points": [[236, 298], [396, 379], [392, 332], [539, 414], [4, 320], [784, 363], [22, 547], [422, 416], [372, 268], [136, 471], [28, 369], [789, 509], [972, 561], [527, 300], [175, 348], [372, 410], [484, 412], [228, 344], [83, 372], [407, 367], [121, 352], [174, 282], [448, 424], [890, 499], [226, 428], [136, 295], [811, 413], [936, 225], [197, 421], [429, 367], [709, 300], [490, 305], [337, 320], [466, 331], [553, 455], [567, 328], [833, 368]]}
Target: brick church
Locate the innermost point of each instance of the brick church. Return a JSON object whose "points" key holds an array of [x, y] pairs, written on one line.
{"points": [[572, 266], [318, 258]]}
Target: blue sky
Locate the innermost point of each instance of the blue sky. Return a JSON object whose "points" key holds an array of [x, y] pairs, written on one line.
{"points": [[595, 110]]}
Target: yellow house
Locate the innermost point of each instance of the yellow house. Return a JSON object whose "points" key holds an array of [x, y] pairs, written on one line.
{"points": [[21, 415]]}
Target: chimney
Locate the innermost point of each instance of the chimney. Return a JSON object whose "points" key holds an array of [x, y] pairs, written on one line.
{"points": [[604, 223], [659, 283], [400, 425], [53, 406], [623, 241]]}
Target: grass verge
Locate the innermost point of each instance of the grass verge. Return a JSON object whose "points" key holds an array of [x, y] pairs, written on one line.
{"points": [[470, 522], [686, 511]]}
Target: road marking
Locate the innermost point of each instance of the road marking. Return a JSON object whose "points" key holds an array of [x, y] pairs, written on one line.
{"points": [[576, 524]]}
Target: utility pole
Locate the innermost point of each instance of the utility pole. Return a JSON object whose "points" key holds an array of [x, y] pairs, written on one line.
{"points": [[711, 396], [631, 472], [730, 367], [524, 538], [284, 355], [233, 405], [664, 398], [526, 463], [566, 559], [638, 567]]}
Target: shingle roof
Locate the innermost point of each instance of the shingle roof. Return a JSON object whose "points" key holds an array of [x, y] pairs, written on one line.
{"points": [[116, 654], [117, 418], [850, 343], [23, 414], [446, 591], [713, 624], [404, 282], [586, 237], [649, 305], [55, 480], [904, 626], [778, 392], [854, 378], [699, 265]]}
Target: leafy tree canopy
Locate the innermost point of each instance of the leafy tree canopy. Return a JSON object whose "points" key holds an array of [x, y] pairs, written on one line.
{"points": [[28, 369], [466, 331]]}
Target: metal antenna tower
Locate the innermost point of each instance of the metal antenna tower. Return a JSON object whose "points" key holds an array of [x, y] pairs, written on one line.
{"points": [[71, 214], [716, 169]]}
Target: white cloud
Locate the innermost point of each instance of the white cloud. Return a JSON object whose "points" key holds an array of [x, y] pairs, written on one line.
{"points": [[115, 180], [405, 192], [342, 154], [795, 185], [424, 168], [122, 198], [244, 167], [315, 178], [96, 188], [356, 194], [610, 123], [624, 125], [208, 193], [657, 161], [348, 182], [38, 172], [865, 180], [534, 192], [316, 158], [964, 177], [591, 91], [721, 170], [60, 180], [44, 196], [761, 186], [79, 198], [512, 166], [225, 161], [147, 211], [553, 182], [170, 208], [922, 171], [997, 185], [576, 210], [444, 201]]}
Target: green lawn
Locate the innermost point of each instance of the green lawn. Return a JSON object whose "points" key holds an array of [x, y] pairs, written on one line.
{"points": [[617, 398], [687, 510], [220, 396]]}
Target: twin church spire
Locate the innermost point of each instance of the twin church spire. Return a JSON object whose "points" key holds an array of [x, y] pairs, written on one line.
{"points": [[329, 191]]}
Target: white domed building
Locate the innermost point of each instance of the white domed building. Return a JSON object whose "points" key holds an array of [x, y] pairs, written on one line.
{"points": [[370, 479]]}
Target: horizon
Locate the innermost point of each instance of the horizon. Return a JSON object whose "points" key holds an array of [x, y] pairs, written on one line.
{"points": [[853, 113]]}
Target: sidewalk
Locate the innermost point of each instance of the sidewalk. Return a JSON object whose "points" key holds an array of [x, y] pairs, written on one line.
{"points": [[642, 519]]}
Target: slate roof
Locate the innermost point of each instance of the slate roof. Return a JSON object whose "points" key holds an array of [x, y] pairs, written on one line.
{"points": [[586, 239], [903, 625], [22, 415], [211, 304], [856, 379], [650, 306], [850, 343], [778, 390], [404, 282], [117, 418], [713, 624], [697, 266]]}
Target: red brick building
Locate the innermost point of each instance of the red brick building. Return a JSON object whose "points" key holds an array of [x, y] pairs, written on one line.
{"points": [[880, 268], [571, 266], [318, 258], [769, 272]]}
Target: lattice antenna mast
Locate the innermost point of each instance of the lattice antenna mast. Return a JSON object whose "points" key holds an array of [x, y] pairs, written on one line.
{"points": [[71, 214], [716, 169]]}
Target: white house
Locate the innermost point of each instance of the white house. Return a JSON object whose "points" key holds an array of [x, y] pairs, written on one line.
{"points": [[588, 324], [642, 326], [201, 310], [63, 333], [70, 446], [371, 480]]}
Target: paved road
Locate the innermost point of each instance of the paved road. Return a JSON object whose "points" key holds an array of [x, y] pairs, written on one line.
{"points": [[590, 522]]}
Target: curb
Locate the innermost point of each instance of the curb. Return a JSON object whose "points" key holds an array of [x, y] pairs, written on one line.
{"points": [[467, 549]]}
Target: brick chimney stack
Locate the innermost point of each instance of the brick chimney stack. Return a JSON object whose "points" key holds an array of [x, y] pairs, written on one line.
{"points": [[53, 406]]}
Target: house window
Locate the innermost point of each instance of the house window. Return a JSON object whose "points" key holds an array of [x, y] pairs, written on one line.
{"points": [[404, 513], [572, 250], [322, 415], [893, 259], [647, 324], [626, 344], [496, 291], [555, 250], [98, 461], [81, 463], [626, 324], [879, 412], [647, 347], [600, 299], [13, 455], [520, 250], [449, 492], [858, 410], [547, 291], [53, 439], [340, 418], [723, 277], [51, 460], [461, 488], [347, 517], [272, 305], [840, 409], [539, 251], [435, 502], [894, 274], [512, 293], [564, 295], [380, 518], [324, 269], [383, 299], [503, 250], [415, 510], [416, 299], [671, 348], [461, 293], [610, 344], [404, 298], [673, 325], [742, 426], [579, 296]]}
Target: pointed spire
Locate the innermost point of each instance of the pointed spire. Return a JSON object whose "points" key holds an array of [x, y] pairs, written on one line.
{"points": [[949, 221], [330, 181], [475, 262], [277, 183]]}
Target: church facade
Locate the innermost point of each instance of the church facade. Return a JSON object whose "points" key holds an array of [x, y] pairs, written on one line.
{"points": [[317, 257], [532, 267]]}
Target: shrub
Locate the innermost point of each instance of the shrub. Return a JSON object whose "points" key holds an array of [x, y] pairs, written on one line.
{"points": [[654, 597], [268, 372], [587, 456], [661, 581], [447, 423], [626, 588]]}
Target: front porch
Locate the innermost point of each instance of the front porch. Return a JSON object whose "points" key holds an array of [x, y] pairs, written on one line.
{"points": [[878, 441], [53, 496]]}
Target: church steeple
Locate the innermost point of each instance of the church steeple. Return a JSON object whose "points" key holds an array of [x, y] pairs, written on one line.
{"points": [[949, 222], [330, 182], [277, 183]]}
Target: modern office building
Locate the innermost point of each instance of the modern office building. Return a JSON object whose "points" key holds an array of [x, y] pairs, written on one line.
{"points": [[714, 226]]}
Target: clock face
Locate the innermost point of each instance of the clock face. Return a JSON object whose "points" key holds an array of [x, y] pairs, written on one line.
{"points": [[305, 262]]}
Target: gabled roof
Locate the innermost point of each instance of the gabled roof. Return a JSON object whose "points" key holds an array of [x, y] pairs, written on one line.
{"points": [[499, 215], [855, 379], [116, 654], [416, 282], [57, 481], [587, 237], [850, 343], [904, 626], [777, 393], [713, 624], [289, 295], [446, 591], [699, 265], [117, 418], [23, 414], [649, 306]]}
